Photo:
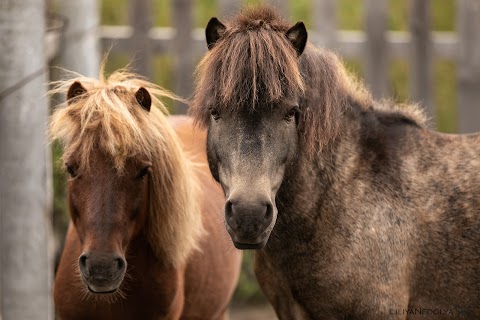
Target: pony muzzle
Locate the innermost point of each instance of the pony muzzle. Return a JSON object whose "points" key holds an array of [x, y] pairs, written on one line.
{"points": [[249, 223], [102, 274]]}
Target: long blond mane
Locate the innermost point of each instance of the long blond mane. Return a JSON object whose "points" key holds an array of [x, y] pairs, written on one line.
{"points": [[108, 117]]}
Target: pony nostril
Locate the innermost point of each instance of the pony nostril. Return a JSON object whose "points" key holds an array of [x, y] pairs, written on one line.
{"points": [[120, 264], [229, 214], [82, 263], [228, 209], [268, 211]]}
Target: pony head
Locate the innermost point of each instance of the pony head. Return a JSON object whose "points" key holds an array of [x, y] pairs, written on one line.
{"points": [[128, 177], [267, 98]]}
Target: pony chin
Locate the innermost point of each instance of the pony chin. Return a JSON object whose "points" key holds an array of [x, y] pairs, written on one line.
{"points": [[109, 297], [242, 242], [103, 289], [248, 246]]}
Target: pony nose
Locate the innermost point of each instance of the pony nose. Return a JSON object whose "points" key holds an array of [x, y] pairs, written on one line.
{"points": [[101, 269], [248, 217]]}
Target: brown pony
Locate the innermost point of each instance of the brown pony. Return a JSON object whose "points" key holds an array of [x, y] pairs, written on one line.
{"points": [[145, 241], [357, 209]]}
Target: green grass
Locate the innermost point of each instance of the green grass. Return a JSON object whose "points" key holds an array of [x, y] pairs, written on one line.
{"points": [[445, 95], [301, 10], [399, 83], [350, 14], [114, 12], [443, 13], [203, 11], [60, 213], [248, 291]]}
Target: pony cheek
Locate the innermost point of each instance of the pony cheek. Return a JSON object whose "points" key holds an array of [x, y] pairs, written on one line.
{"points": [[213, 164], [292, 147], [139, 224], [139, 215], [128, 235], [277, 180], [75, 214], [80, 230]]}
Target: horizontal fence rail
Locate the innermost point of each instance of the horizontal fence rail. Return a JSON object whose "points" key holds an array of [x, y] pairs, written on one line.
{"points": [[349, 44]]}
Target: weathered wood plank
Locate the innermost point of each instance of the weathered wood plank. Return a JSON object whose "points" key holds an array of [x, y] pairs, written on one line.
{"points": [[53, 36], [325, 22], [182, 51], [376, 49], [139, 45], [349, 44], [421, 55], [80, 47], [281, 6], [227, 7], [468, 69]]}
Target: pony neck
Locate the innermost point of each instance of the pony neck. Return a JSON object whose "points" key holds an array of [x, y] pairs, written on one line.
{"points": [[318, 172]]}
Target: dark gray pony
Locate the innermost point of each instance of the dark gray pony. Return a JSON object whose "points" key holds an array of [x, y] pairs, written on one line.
{"points": [[357, 210]]}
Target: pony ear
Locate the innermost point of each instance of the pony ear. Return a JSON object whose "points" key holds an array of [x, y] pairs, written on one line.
{"points": [[214, 31], [143, 98], [75, 90], [297, 35]]}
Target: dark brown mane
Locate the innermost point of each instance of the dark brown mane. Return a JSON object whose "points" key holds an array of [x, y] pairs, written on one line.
{"points": [[253, 64], [251, 18]]}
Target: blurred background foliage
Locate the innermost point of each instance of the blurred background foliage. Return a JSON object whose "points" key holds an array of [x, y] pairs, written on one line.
{"points": [[350, 17]]}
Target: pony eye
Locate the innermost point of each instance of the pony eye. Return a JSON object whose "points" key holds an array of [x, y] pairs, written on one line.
{"points": [[144, 172], [71, 171], [215, 114], [291, 115]]}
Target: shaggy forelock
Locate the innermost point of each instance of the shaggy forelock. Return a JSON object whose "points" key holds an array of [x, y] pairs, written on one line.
{"points": [[108, 118], [253, 64]]}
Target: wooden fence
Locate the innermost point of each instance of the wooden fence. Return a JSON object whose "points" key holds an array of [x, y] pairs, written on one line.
{"points": [[375, 46]]}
